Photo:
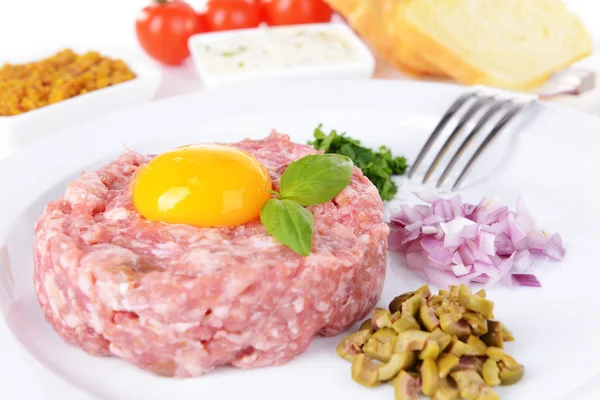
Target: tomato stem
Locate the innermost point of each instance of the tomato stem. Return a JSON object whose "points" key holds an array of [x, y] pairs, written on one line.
{"points": [[162, 1]]}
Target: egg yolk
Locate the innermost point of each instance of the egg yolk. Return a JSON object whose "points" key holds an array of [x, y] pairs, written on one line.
{"points": [[202, 185]]}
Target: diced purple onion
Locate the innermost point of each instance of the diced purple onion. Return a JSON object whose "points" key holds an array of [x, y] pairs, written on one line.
{"points": [[526, 280], [453, 242]]}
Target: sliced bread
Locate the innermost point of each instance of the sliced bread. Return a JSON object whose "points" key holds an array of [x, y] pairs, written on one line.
{"points": [[513, 44], [370, 19]]}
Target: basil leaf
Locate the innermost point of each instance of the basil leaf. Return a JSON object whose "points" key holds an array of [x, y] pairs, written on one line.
{"points": [[289, 223], [316, 179]]}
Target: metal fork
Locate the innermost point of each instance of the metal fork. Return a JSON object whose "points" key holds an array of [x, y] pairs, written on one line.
{"points": [[495, 103]]}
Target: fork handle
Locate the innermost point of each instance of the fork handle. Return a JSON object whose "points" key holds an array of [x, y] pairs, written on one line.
{"points": [[569, 82]]}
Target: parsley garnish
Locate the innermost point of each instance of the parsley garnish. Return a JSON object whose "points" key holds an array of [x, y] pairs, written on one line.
{"points": [[378, 166]]}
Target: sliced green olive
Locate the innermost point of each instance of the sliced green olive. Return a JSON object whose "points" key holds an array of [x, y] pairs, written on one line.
{"points": [[381, 345], [428, 318], [442, 338], [467, 377], [444, 342], [351, 345], [460, 349], [435, 301], [398, 362], [469, 383], [366, 325], [406, 323], [406, 387], [381, 319], [460, 328], [412, 305], [510, 376], [446, 363], [446, 391], [437, 333], [396, 304], [491, 372], [390, 369], [424, 291], [451, 306], [494, 335], [470, 362], [475, 303], [431, 350], [487, 393], [479, 347], [429, 377], [470, 392], [457, 310], [477, 323], [453, 333], [365, 371], [415, 374], [411, 341], [454, 292], [498, 354], [507, 335]]}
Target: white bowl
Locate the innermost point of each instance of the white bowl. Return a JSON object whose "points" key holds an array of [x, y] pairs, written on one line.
{"points": [[362, 65], [22, 129]]}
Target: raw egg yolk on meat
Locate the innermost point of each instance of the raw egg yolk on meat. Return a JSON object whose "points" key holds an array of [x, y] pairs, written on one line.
{"points": [[202, 185]]}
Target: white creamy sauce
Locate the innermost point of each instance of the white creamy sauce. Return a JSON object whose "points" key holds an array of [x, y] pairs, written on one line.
{"points": [[276, 50]]}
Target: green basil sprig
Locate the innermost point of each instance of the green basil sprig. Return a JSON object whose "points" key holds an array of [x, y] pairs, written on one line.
{"points": [[312, 180]]}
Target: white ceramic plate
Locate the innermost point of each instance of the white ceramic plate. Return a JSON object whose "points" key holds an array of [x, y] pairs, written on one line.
{"points": [[550, 158], [23, 129]]}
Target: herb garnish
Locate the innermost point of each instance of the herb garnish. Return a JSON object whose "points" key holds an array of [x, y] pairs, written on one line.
{"points": [[312, 180], [378, 166]]}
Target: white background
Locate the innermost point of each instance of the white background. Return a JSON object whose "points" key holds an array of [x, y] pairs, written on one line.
{"points": [[34, 26]]}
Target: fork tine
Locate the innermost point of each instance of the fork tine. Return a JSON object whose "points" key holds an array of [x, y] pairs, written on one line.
{"points": [[465, 118], [488, 114], [438, 129], [512, 112]]}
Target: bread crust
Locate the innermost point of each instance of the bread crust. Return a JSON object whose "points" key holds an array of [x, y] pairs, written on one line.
{"points": [[384, 24], [369, 19], [465, 72]]}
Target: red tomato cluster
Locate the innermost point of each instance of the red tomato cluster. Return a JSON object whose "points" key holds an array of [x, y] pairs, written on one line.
{"points": [[164, 28]]}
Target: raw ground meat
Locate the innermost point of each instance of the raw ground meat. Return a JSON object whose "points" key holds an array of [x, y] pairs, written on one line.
{"points": [[179, 300]]}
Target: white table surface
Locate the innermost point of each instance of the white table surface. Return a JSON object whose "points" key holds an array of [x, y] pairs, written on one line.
{"points": [[31, 26]]}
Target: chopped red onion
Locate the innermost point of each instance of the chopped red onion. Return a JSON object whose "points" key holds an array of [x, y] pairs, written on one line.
{"points": [[526, 280], [414, 226], [554, 248], [523, 261], [429, 230], [460, 270], [504, 246], [470, 231], [453, 242]]}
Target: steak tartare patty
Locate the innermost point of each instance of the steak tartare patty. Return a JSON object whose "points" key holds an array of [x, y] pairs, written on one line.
{"points": [[179, 300]]}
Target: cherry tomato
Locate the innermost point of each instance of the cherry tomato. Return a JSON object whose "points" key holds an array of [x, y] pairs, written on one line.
{"points": [[224, 15], [292, 12], [163, 30]]}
